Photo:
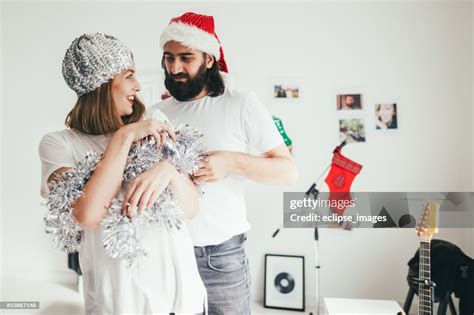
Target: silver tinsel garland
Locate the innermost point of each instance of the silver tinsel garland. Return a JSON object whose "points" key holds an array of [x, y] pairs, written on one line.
{"points": [[185, 154], [66, 233], [122, 238]]}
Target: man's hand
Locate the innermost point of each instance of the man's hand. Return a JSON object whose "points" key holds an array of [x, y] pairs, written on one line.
{"points": [[216, 166], [273, 167]]}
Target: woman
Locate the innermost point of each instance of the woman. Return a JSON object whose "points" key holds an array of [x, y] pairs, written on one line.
{"points": [[386, 116], [107, 118]]}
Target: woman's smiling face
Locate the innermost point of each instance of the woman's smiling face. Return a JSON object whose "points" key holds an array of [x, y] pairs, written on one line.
{"points": [[386, 113], [124, 91]]}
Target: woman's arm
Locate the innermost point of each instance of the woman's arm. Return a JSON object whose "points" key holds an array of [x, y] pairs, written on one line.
{"points": [[105, 182], [145, 189], [187, 194]]}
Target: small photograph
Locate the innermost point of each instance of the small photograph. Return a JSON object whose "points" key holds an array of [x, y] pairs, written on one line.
{"points": [[286, 91], [386, 116], [351, 130], [349, 101]]}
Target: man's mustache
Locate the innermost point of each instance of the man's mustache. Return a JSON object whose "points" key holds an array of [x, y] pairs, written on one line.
{"points": [[180, 75]]}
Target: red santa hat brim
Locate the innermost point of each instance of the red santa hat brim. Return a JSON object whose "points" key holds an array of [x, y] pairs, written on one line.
{"points": [[192, 37]]}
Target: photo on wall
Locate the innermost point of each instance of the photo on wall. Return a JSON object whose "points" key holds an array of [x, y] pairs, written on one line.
{"points": [[349, 101], [286, 91], [352, 130], [386, 116]]}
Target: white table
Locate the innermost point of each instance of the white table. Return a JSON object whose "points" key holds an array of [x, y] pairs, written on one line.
{"points": [[336, 306], [257, 308]]}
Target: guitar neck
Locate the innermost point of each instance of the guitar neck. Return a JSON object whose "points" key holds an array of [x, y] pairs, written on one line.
{"points": [[424, 292]]}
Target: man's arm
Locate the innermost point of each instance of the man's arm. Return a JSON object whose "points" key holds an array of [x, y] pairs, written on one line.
{"points": [[274, 167]]}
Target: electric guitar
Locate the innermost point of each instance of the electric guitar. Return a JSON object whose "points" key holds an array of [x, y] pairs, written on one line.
{"points": [[425, 230]]}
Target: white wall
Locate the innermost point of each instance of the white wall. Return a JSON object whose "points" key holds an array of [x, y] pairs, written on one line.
{"points": [[1, 151], [418, 55], [470, 237]]}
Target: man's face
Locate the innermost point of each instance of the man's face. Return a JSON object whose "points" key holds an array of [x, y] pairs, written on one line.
{"points": [[349, 100], [186, 70]]}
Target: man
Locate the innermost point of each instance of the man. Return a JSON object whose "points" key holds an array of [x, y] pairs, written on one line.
{"points": [[234, 124], [350, 102]]}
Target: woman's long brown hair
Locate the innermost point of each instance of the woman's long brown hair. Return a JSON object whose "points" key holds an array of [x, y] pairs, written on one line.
{"points": [[94, 113]]}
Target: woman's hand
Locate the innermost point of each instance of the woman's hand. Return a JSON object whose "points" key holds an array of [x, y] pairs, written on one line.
{"points": [[142, 129], [145, 188], [379, 123]]}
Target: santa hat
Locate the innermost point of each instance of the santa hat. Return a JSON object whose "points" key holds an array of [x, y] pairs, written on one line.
{"points": [[195, 31]]}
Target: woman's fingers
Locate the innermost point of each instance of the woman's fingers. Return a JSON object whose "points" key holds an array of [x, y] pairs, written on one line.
{"points": [[157, 137], [168, 130], [160, 188], [163, 136], [141, 196], [128, 195], [143, 202], [153, 198], [131, 211], [156, 192]]}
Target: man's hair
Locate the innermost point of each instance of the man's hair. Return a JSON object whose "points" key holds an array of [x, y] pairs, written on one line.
{"points": [[94, 113], [215, 84]]}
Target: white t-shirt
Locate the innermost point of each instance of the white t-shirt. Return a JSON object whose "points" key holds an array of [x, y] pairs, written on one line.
{"points": [[166, 280], [233, 121]]}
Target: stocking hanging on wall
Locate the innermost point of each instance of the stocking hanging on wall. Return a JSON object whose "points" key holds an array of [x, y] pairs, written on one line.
{"points": [[340, 178]]}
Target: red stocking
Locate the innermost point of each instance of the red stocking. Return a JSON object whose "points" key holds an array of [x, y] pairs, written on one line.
{"points": [[340, 177]]}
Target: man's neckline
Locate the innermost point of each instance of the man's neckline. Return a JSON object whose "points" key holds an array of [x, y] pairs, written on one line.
{"points": [[191, 101]]}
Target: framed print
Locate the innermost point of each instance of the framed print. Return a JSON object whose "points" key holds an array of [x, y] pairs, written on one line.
{"points": [[282, 90], [386, 116], [286, 89], [351, 130], [284, 282], [349, 101]]}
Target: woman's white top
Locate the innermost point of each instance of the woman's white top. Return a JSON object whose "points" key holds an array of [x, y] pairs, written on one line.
{"points": [[166, 281]]}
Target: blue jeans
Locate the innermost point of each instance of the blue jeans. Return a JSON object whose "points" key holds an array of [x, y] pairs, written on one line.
{"points": [[224, 269]]}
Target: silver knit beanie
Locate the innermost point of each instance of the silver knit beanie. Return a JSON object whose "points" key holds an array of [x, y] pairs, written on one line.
{"points": [[93, 59]]}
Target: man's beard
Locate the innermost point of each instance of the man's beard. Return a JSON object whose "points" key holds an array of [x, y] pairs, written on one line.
{"points": [[186, 90]]}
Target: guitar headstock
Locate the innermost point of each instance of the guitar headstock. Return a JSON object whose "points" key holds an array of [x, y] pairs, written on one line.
{"points": [[427, 225]]}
